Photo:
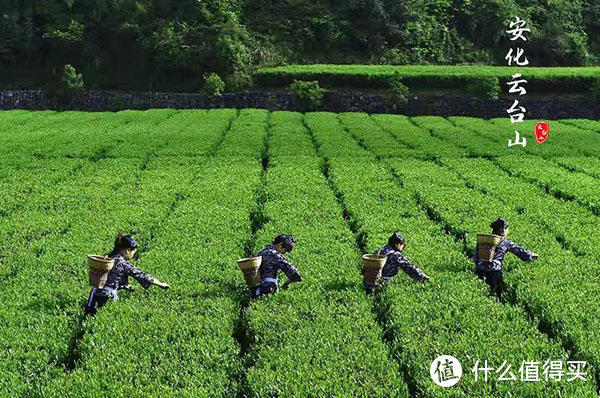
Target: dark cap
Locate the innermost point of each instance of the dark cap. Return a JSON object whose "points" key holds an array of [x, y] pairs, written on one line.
{"points": [[287, 241], [499, 225], [125, 242], [395, 239]]}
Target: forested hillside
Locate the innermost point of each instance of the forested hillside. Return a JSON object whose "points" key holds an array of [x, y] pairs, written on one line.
{"points": [[169, 44]]}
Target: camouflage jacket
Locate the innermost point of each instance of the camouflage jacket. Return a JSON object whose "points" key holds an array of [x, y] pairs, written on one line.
{"points": [[273, 262], [396, 260], [120, 273], [503, 247]]}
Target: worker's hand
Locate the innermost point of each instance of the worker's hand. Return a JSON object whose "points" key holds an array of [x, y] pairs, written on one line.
{"points": [[129, 288], [292, 279], [160, 284], [535, 256]]}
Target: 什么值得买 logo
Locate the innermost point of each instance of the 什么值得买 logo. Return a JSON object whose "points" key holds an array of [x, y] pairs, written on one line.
{"points": [[445, 371]]}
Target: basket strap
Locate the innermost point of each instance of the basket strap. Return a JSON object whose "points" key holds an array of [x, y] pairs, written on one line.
{"points": [[92, 293]]}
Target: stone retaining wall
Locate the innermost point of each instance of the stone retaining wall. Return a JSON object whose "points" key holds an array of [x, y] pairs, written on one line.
{"points": [[335, 101]]}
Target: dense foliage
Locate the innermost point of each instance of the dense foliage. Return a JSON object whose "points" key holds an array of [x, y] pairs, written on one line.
{"points": [[125, 43], [71, 80], [213, 85], [425, 31], [167, 44], [200, 189], [308, 95]]}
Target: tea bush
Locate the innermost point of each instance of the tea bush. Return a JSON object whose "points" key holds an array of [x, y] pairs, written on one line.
{"points": [[202, 188]]}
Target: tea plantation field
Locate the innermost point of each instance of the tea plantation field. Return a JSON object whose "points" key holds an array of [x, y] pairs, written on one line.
{"points": [[203, 188]]}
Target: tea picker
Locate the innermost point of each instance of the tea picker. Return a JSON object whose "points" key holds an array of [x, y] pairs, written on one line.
{"points": [[261, 271], [384, 263], [490, 251], [109, 274]]}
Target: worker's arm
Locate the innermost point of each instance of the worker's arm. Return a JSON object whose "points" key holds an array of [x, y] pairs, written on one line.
{"points": [[521, 252], [476, 254], [143, 278], [289, 270], [412, 270]]}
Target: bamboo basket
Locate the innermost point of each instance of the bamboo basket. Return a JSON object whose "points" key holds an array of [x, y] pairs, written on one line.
{"points": [[250, 267], [99, 267], [372, 266], [486, 246]]}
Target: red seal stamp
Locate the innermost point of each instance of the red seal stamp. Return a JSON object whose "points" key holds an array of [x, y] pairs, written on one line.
{"points": [[541, 132]]}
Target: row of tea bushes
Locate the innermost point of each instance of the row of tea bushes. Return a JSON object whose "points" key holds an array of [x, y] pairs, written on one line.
{"points": [[549, 289], [60, 222], [469, 325], [371, 76], [574, 226], [320, 337], [185, 335], [556, 180], [568, 221], [587, 165], [592, 125], [563, 140], [406, 134]]}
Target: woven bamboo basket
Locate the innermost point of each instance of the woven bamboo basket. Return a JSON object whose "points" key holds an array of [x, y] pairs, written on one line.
{"points": [[250, 267], [99, 267], [486, 246], [372, 266]]}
